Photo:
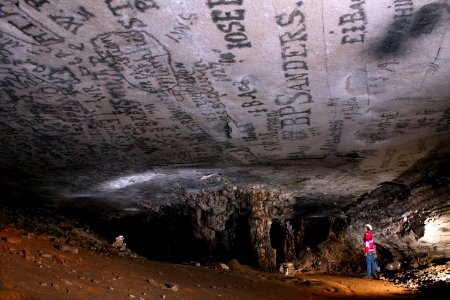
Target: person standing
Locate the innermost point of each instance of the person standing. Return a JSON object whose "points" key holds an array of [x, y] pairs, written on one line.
{"points": [[369, 251]]}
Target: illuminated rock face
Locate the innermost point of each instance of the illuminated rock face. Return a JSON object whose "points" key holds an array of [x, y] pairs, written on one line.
{"points": [[136, 101], [409, 217]]}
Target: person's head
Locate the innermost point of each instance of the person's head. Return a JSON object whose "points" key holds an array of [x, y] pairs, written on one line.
{"points": [[368, 227]]}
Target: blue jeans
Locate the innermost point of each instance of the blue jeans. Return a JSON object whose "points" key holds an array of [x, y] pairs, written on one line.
{"points": [[370, 261]]}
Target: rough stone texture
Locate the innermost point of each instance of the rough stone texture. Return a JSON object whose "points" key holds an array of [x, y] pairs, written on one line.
{"points": [[410, 217], [218, 215], [111, 99], [284, 125], [410, 220]]}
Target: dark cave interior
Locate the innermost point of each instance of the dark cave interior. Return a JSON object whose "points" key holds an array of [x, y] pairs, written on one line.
{"points": [[269, 132]]}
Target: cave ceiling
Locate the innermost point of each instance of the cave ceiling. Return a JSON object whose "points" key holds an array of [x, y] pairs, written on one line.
{"points": [[141, 99]]}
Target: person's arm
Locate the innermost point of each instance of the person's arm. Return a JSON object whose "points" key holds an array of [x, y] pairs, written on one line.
{"points": [[366, 245]]}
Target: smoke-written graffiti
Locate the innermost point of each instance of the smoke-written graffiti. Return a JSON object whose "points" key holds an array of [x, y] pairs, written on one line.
{"points": [[295, 67], [125, 11], [143, 61], [27, 25], [354, 24]]}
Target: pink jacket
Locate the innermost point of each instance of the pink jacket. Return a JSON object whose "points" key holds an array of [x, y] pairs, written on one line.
{"points": [[368, 242]]}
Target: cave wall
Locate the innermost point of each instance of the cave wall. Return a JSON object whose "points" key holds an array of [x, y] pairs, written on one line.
{"points": [[310, 113], [410, 217], [222, 215], [265, 227], [345, 94]]}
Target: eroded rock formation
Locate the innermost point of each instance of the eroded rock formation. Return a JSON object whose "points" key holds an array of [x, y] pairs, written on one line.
{"points": [[267, 131], [239, 220], [410, 217]]}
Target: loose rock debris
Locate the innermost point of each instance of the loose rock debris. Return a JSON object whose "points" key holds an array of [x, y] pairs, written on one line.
{"points": [[74, 264], [119, 243]]}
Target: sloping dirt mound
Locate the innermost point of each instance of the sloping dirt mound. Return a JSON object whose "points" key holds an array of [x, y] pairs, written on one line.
{"points": [[42, 266]]}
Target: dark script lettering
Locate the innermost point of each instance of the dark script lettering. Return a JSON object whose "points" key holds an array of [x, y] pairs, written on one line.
{"points": [[72, 23], [27, 25], [123, 9], [353, 25], [230, 23], [295, 67]]}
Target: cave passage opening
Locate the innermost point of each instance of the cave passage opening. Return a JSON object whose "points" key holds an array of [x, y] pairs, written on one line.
{"points": [[278, 241]]}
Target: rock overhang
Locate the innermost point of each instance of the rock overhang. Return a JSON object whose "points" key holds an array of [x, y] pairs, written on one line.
{"points": [[142, 100]]}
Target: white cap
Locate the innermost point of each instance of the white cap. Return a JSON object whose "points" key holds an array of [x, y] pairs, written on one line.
{"points": [[120, 237], [369, 226]]}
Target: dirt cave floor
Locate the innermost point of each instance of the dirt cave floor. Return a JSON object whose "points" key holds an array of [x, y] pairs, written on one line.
{"points": [[41, 266]]}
